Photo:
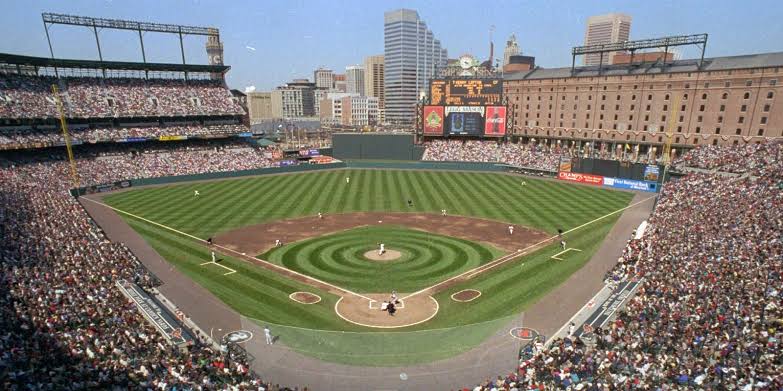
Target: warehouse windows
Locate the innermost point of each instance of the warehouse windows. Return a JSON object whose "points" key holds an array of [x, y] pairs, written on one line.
{"points": [[746, 96], [770, 95], [743, 108], [725, 96], [740, 120], [738, 131], [766, 108], [763, 120]]}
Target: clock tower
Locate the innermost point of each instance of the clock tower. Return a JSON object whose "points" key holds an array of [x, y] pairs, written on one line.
{"points": [[214, 50]]}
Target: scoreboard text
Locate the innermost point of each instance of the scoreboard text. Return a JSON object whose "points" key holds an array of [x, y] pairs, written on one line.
{"points": [[466, 92]]}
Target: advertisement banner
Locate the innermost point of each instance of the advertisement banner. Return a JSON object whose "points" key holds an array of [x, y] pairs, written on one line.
{"points": [[581, 178], [284, 163], [245, 134], [630, 184], [565, 164], [433, 120], [495, 125], [132, 140], [651, 173], [465, 120], [172, 138]]}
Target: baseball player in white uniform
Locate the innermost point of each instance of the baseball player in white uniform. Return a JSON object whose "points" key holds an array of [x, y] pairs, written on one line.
{"points": [[213, 257], [382, 249], [196, 193], [510, 229], [268, 335], [347, 179]]}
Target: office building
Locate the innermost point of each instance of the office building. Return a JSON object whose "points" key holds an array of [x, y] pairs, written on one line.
{"points": [[373, 81], [601, 29], [324, 78], [294, 100], [259, 105], [512, 49], [354, 79], [339, 83], [412, 56]]}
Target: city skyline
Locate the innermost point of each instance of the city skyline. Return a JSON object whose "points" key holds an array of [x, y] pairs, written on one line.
{"points": [[265, 51]]}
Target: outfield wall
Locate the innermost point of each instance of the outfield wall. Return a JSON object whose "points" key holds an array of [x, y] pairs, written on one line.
{"points": [[378, 146]]}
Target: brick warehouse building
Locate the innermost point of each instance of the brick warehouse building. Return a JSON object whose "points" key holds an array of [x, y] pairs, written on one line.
{"points": [[730, 100]]}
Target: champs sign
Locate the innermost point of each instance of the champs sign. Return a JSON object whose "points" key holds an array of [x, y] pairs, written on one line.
{"points": [[581, 178]]}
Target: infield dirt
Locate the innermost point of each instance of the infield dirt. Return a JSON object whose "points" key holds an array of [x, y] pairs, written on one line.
{"points": [[258, 238]]}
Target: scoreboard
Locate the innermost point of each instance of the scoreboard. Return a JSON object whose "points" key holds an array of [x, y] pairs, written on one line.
{"points": [[466, 92], [465, 107]]}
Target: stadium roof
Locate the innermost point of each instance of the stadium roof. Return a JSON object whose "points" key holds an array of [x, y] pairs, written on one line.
{"points": [[762, 60], [14, 59]]}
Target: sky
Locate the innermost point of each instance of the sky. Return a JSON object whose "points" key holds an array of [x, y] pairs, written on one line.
{"points": [[267, 43]]}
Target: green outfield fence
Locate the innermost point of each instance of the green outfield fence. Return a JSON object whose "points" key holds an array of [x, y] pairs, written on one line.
{"points": [[392, 348], [376, 164]]}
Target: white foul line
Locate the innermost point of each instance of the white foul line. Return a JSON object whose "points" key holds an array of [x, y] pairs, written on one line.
{"points": [[470, 273], [563, 252], [237, 254], [231, 271]]}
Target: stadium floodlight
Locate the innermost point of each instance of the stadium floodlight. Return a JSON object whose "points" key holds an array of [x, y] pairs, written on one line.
{"points": [[121, 24], [632, 46]]}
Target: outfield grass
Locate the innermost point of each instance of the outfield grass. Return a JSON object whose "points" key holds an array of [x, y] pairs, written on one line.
{"points": [[426, 258], [263, 295]]}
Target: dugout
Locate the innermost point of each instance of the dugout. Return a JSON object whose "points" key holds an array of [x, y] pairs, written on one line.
{"points": [[375, 146]]}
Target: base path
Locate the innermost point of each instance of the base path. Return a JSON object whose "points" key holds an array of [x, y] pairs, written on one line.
{"points": [[256, 239]]}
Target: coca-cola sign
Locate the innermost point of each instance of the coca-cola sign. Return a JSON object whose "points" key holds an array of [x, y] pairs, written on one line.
{"points": [[495, 122]]}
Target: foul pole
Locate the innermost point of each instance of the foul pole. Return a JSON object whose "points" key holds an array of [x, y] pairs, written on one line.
{"points": [[66, 136]]}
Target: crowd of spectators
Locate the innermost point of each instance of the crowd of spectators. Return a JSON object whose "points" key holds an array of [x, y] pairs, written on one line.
{"points": [[708, 313], [541, 157], [33, 137], [64, 323], [106, 163], [23, 96], [750, 158]]}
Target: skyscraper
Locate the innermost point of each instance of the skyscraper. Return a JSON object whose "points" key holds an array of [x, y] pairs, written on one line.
{"points": [[609, 28], [411, 57], [324, 78], [373, 80], [512, 49], [354, 79]]}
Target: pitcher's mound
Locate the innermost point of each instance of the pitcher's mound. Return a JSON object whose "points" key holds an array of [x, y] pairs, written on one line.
{"points": [[389, 255], [410, 311]]}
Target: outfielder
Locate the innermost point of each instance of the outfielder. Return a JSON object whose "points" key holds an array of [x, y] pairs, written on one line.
{"points": [[347, 179], [196, 193]]}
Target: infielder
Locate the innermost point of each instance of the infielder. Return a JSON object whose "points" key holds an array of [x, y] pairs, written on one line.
{"points": [[443, 212], [320, 216], [268, 335], [278, 243], [510, 229]]}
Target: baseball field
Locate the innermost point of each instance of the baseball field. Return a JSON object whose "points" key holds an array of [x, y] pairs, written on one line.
{"points": [[459, 272]]}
